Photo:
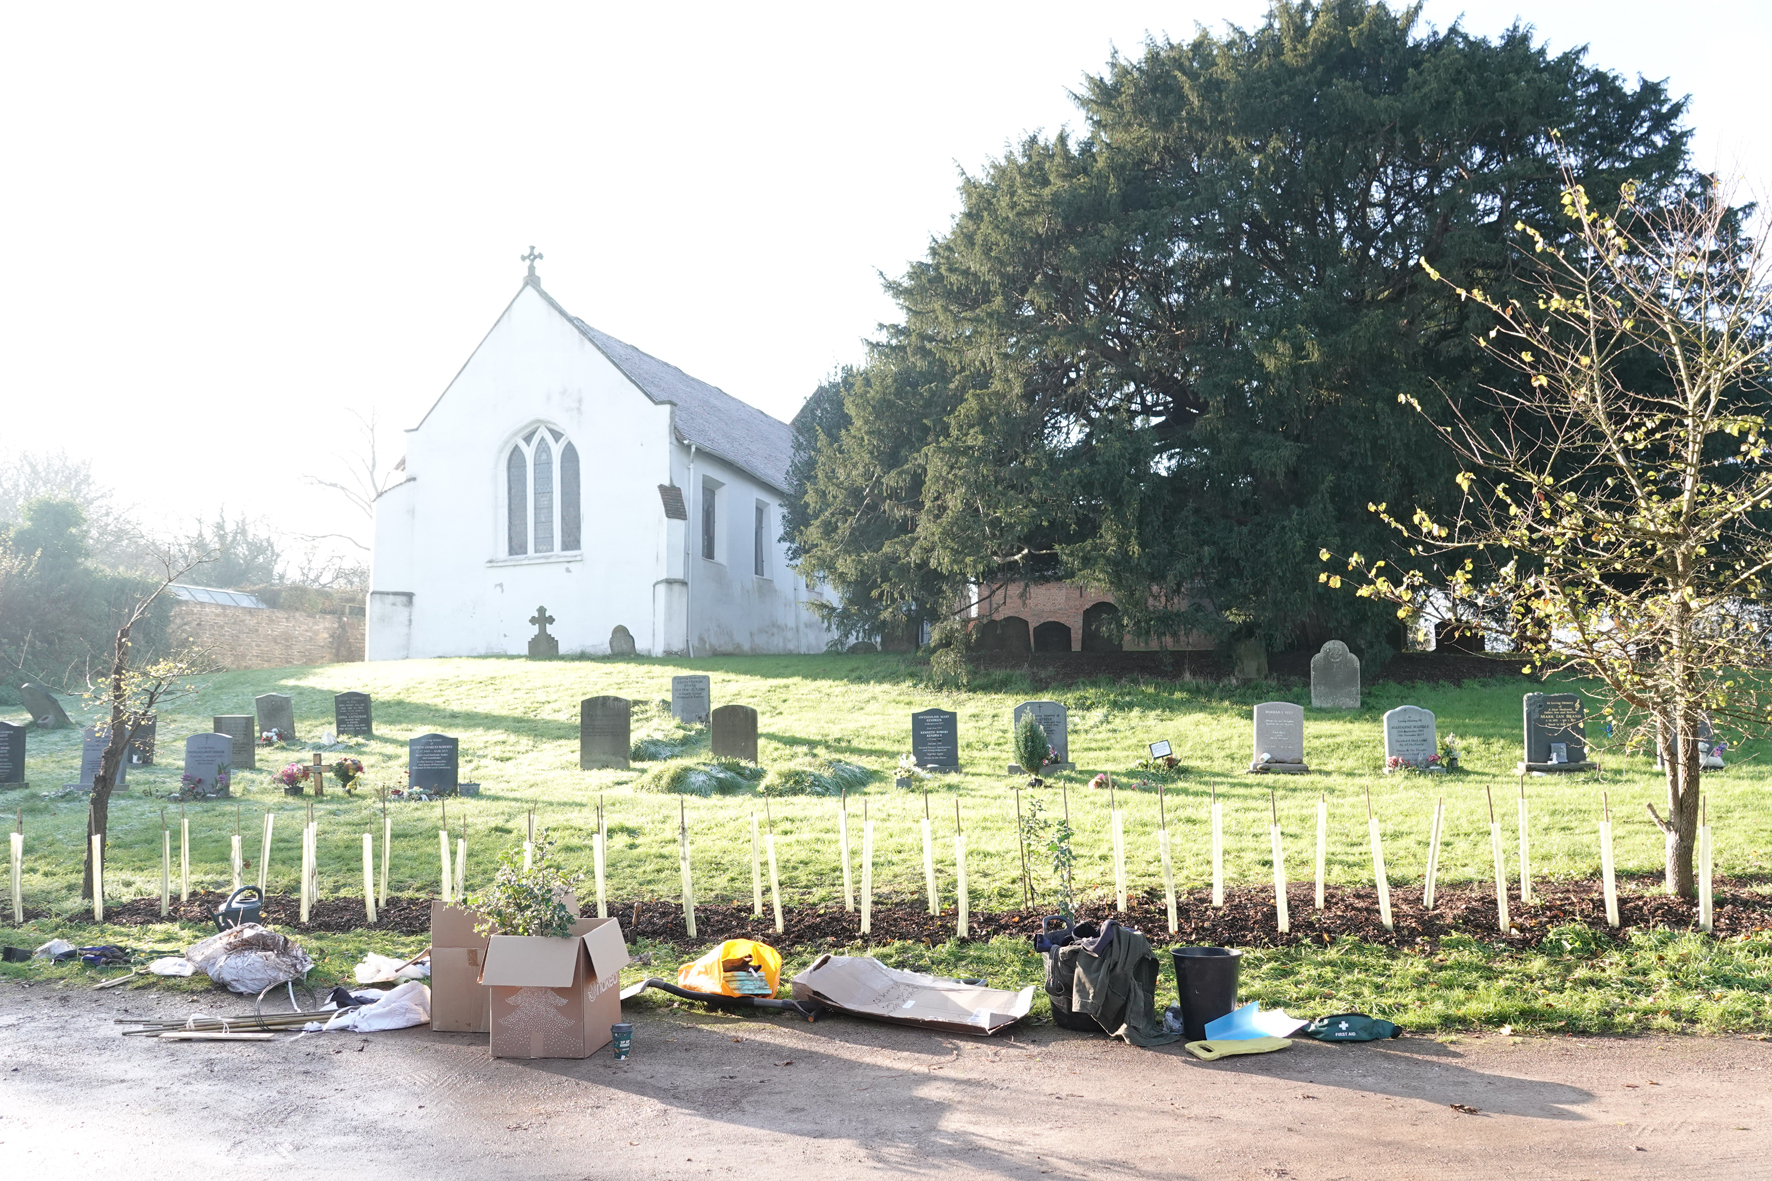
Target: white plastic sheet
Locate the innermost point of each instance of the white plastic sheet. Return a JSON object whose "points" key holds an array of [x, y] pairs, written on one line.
{"points": [[379, 969], [249, 958], [401, 1008]]}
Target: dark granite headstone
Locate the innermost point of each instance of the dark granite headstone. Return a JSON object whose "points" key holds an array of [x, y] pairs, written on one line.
{"points": [[142, 741], [276, 712], [208, 765], [935, 739], [1054, 719], [46, 711], [543, 645], [691, 699], [243, 729], [351, 714], [735, 732], [621, 641], [12, 755], [1556, 723], [605, 733], [92, 754], [433, 763]]}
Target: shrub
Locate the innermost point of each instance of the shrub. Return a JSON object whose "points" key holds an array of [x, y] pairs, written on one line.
{"points": [[814, 776], [529, 901], [699, 777], [1032, 750]]}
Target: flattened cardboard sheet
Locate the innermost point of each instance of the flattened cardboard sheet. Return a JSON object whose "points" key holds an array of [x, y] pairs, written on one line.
{"points": [[864, 987]]}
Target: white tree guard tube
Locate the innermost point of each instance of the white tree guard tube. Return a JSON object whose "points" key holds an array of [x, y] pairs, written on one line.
{"points": [[369, 876], [756, 870], [774, 884], [264, 855], [184, 859], [1525, 854], [929, 868], [447, 889], [1322, 846], [867, 877], [1119, 829], [1607, 880], [843, 852], [960, 883], [1705, 917], [18, 880], [1281, 914], [165, 871], [1501, 918], [1378, 875], [387, 849], [1168, 877], [234, 859], [98, 877], [1433, 855], [1217, 853]]}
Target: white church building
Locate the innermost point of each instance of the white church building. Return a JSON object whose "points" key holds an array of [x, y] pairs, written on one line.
{"points": [[563, 468]]}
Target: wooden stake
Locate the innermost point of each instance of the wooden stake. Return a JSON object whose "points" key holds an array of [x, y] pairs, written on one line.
{"points": [[1322, 843], [369, 877], [600, 859], [1281, 914], [1217, 849], [774, 869], [960, 871], [264, 854], [98, 877], [688, 878], [1607, 880], [1378, 874], [1525, 851], [1705, 901], [1118, 824], [929, 860], [1500, 866], [1433, 854], [843, 852], [1168, 862], [184, 855], [867, 870]]}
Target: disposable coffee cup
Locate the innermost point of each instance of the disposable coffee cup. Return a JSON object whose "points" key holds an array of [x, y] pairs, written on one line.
{"points": [[622, 1034]]}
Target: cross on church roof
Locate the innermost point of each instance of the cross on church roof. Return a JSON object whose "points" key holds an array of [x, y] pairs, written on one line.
{"points": [[533, 257]]}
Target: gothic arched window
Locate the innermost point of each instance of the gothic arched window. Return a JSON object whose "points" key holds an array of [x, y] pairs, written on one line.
{"points": [[542, 495]]}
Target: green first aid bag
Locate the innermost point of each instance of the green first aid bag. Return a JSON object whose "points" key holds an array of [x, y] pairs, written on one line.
{"points": [[1351, 1027]]}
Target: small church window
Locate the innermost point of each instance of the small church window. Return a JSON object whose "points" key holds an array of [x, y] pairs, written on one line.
{"points": [[517, 494], [544, 498], [761, 542], [708, 496], [569, 523]]}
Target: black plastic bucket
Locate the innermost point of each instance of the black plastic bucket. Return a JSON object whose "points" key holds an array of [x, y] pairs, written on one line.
{"points": [[1206, 978]]}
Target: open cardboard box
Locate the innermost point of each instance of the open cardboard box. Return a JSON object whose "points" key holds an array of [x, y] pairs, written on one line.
{"points": [[864, 987], [459, 1002], [555, 998]]}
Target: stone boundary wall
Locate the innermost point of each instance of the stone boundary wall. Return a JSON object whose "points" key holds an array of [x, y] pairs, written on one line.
{"points": [[260, 637], [1065, 602]]}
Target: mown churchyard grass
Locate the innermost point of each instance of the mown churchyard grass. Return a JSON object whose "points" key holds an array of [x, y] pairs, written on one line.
{"points": [[518, 726]]}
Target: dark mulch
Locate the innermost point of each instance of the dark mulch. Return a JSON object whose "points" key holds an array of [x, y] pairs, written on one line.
{"points": [[1407, 668], [1245, 920]]}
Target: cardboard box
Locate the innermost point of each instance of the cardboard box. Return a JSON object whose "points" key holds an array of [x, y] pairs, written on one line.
{"points": [[864, 987], [459, 1002], [555, 998]]}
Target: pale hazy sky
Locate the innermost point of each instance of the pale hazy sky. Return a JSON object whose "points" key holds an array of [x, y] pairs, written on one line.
{"points": [[222, 225]]}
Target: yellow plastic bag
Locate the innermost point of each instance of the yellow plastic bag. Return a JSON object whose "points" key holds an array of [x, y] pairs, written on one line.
{"points": [[717, 971]]}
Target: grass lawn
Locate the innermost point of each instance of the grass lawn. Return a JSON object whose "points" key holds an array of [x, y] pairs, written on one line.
{"points": [[517, 722]]}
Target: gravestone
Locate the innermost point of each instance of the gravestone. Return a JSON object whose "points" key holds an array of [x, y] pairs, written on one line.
{"points": [[142, 741], [1335, 678], [543, 645], [1055, 720], [1409, 734], [1709, 757], [208, 766], [621, 641], [1279, 738], [735, 732], [276, 711], [1556, 733], [12, 755], [46, 711], [433, 764], [935, 739], [352, 714], [92, 755], [605, 733], [691, 698], [243, 729]]}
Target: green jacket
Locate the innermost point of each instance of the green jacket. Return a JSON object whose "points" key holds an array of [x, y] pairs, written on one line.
{"points": [[1116, 984]]}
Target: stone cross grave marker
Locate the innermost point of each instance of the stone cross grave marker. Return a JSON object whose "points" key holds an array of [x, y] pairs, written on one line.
{"points": [[621, 641], [735, 732], [433, 764], [142, 742], [1410, 735], [543, 645], [1556, 732], [935, 739], [691, 698], [12, 755], [1055, 720], [207, 758], [352, 714], [92, 754], [605, 733], [1279, 738], [1335, 678], [46, 711], [243, 729], [276, 711]]}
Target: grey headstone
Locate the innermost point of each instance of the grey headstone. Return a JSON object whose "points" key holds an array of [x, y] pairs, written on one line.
{"points": [[142, 741], [276, 711], [605, 733], [207, 758], [352, 714], [1335, 678], [92, 754], [433, 763], [12, 754], [243, 729], [1555, 718], [691, 699], [735, 732], [1279, 735], [935, 739], [543, 645], [1249, 660], [1055, 720], [1410, 734], [46, 711], [621, 641]]}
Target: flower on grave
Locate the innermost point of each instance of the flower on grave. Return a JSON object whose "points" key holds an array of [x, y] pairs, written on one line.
{"points": [[1395, 763], [1454, 746], [293, 774], [1100, 782], [270, 737], [346, 772], [907, 766]]}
